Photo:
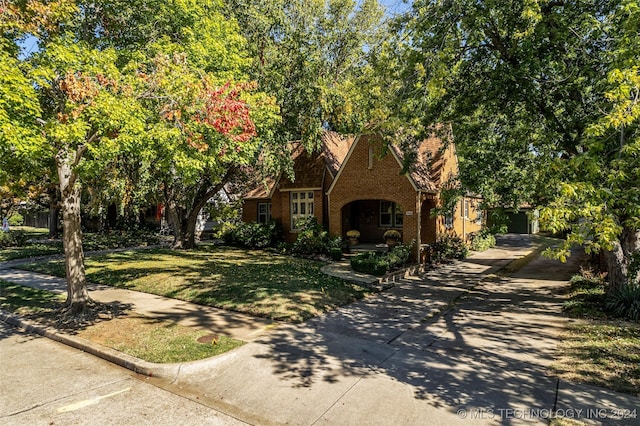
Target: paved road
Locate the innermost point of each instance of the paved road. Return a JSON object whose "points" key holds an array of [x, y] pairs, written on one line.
{"points": [[45, 383]]}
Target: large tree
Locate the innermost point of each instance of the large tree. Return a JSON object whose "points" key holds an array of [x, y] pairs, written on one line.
{"points": [[81, 110], [176, 99], [313, 57], [204, 116], [542, 97]]}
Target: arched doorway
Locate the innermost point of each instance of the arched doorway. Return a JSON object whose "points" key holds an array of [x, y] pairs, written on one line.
{"points": [[372, 218]]}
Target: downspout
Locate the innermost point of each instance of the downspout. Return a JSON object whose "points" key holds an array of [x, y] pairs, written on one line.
{"points": [[419, 217], [324, 207], [464, 220]]}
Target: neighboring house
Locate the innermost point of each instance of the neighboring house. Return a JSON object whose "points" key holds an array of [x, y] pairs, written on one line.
{"points": [[347, 185]]}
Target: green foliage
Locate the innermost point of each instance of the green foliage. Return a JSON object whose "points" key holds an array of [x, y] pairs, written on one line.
{"points": [[544, 103], [16, 219], [498, 220], [312, 56], [448, 247], [483, 240], [335, 253], [379, 263], [6, 239], [398, 256], [370, 262], [625, 302], [13, 238], [313, 238], [252, 235]]}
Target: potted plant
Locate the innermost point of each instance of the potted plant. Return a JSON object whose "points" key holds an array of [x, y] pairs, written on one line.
{"points": [[391, 237], [352, 237]]}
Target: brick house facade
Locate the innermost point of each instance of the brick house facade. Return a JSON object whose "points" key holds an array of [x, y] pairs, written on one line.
{"points": [[355, 183]]}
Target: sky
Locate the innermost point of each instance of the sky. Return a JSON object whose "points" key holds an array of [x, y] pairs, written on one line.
{"points": [[393, 7], [396, 6]]}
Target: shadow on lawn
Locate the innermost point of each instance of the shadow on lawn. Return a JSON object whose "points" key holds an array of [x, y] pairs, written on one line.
{"points": [[254, 282]]}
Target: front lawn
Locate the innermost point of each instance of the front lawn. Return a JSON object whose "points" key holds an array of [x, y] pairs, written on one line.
{"points": [[35, 242], [145, 338], [252, 281], [601, 353], [598, 347], [29, 242]]}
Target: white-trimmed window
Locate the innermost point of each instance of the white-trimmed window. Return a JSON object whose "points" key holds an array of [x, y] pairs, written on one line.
{"points": [[264, 212], [448, 220], [478, 211], [465, 209], [301, 206], [391, 215]]}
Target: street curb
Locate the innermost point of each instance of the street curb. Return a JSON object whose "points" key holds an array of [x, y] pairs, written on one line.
{"points": [[137, 365]]}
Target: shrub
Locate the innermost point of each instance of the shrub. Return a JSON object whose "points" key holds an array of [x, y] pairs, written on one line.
{"points": [[398, 256], [377, 263], [625, 302], [483, 240], [16, 219], [6, 239], [313, 239], [335, 253], [449, 247], [252, 235], [370, 262], [13, 239]]}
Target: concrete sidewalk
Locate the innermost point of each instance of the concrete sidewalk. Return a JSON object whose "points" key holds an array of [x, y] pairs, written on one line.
{"points": [[218, 321], [456, 345]]}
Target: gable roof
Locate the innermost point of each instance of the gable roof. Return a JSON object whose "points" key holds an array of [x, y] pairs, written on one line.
{"points": [[335, 148], [308, 167], [425, 174]]}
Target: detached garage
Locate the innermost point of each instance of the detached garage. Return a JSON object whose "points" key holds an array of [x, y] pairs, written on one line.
{"points": [[525, 221]]}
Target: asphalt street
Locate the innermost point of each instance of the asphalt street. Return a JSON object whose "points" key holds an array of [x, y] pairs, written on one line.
{"points": [[43, 382]]}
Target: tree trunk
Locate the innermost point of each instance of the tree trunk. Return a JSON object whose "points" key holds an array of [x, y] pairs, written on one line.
{"points": [[619, 258], [54, 212], [184, 227], [78, 299], [185, 220]]}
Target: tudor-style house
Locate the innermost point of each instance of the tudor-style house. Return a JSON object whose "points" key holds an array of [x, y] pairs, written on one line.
{"points": [[348, 185]]}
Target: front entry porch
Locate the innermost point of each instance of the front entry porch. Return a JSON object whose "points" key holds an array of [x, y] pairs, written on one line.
{"points": [[372, 218]]}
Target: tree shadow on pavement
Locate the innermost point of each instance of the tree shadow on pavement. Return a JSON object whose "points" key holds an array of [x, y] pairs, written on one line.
{"points": [[454, 343]]}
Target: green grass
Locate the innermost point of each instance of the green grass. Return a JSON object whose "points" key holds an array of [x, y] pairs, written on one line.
{"points": [[255, 282], [156, 341], [28, 301], [599, 349], [586, 297], [41, 246], [603, 354], [144, 338]]}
